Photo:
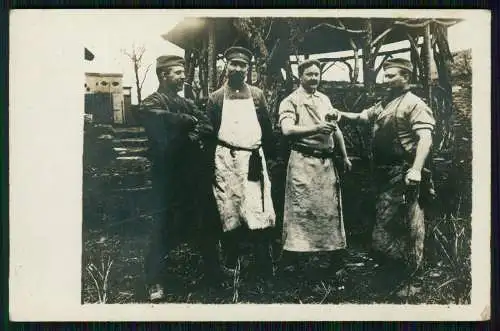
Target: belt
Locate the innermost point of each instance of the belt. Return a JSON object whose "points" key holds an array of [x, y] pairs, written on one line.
{"points": [[237, 148], [314, 152]]}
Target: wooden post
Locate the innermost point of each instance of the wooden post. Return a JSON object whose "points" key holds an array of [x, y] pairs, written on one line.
{"points": [[203, 68], [189, 68], [427, 60], [211, 57], [249, 73], [368, 61]]}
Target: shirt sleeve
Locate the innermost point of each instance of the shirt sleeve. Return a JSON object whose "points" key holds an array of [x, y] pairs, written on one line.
{"points": [[204, 125], [287, 110], [421, 117], [151, 102], [174, 120], [329, 106]]}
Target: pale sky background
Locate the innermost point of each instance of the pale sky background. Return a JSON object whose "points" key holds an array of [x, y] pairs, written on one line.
{"points": [[108, 33]]}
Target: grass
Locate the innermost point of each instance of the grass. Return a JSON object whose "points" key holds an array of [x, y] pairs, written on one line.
{"points": [[117, 223], [121, 257]]}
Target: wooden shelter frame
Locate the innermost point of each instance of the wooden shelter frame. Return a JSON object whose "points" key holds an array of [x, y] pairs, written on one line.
{"points": [[275, 41]]}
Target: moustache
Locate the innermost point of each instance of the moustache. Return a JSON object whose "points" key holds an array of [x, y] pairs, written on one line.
{"points": [[236, 75]]}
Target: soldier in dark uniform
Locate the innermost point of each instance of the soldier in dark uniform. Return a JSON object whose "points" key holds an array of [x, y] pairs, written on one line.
{"points": [[182, 194]]}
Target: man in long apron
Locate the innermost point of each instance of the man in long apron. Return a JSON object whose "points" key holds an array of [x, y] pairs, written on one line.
{"points": [[402, 138], [244, 139], [176, 131], [313, 220]]}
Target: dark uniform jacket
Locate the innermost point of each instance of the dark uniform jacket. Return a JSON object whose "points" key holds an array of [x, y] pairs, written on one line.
{"points": [[180, 166]]}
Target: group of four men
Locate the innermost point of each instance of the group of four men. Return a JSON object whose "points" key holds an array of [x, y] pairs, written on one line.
{"points": [[211, 179]]}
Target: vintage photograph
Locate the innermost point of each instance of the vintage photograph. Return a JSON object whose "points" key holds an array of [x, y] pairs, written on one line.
{"points": [[277, 160]]}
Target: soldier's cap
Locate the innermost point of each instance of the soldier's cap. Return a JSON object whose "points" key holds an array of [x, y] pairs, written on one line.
{"points": [[308, 63], [238, 53], [398, 63], [166, 61]]}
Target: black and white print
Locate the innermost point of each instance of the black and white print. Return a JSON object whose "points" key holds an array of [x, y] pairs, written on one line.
{"points": [[263, 165]]}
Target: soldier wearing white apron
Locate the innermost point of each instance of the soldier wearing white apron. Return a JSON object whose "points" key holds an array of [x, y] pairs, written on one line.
{"points": [[244, 139]]}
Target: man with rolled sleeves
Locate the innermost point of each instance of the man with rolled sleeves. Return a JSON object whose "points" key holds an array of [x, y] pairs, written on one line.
{"points": [[244, 142], [313, 218], [402, 139], [177, 131]]}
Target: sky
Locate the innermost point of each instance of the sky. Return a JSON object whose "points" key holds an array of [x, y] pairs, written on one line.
{"points": [[108, 34]]}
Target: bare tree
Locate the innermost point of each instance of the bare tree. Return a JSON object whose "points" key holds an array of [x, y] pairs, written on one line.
{"points": [[135, 55]]}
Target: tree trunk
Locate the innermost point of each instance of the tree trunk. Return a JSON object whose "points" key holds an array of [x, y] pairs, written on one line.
{"points": [[203, 68], [190, 69], [211, 57], [249, 73], [137, 83], [368, 58]]}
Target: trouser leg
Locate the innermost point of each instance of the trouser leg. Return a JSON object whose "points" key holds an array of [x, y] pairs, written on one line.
{"points": [[163, 237], [206, 244], [264, 255], [162, 240], [208, 229], [337, 259], [231, 247], [291, 265]]}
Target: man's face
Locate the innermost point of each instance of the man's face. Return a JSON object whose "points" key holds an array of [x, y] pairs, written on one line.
{"points": [[237, 70], [310, 78], [174, 76], [394, 79]]}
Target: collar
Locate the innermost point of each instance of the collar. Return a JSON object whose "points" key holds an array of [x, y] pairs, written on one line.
{"points": [[399, 94], [167, 92], [302, 91], [244, 87], [393, 97]]}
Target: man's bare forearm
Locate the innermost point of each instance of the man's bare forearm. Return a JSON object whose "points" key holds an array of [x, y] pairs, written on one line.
{"points": [[354, 117], [298, 130], [340, 140], [423, 148]]}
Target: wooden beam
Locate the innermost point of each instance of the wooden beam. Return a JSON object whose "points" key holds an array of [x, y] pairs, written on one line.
{"points": [[427, 61], [249, 73], [368, 57], [345, 58]]}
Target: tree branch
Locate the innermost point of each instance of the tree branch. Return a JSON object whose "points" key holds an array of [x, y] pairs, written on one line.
{"points": [[414, 50], [145, 74], [331, 26], [269, 31], [140, 53], [326, 67], [446, 23], [387, 56], [339, 22], [413, 25], [351, 70], [381, 37]]}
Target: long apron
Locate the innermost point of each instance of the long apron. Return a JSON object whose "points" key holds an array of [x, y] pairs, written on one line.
{"points": [[312, 219], [239, 200], [399, 230]]}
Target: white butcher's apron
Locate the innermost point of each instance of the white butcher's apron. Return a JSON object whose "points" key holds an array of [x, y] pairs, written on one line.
{"points": [[240, 200]]}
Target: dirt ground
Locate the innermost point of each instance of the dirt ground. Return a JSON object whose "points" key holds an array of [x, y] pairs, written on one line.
{"points": [[117, 222]]}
